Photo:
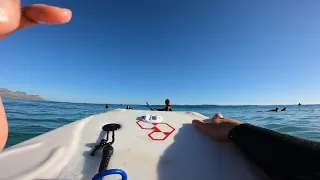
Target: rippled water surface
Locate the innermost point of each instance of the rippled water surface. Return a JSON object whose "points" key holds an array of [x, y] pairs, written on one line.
{"points": [[28, 119]]}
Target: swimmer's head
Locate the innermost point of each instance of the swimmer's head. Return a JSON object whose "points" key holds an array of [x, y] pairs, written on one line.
{"points": [[167, 102]]}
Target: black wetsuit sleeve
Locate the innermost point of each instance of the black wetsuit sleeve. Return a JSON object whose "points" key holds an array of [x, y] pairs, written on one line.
{"points": [[279, 155], [168, 108]]}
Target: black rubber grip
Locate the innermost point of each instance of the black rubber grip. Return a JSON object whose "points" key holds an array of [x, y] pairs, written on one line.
{"points": [[106, 155]]}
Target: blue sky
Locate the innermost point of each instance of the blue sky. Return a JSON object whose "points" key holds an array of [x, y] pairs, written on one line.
{"points": [[193, 52]]}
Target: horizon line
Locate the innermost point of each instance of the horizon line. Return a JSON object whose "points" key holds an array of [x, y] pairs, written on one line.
{"points": [[160, 104]]}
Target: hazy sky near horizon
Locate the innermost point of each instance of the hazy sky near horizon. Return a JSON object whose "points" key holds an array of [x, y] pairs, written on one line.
{"points": [[193, 52]]}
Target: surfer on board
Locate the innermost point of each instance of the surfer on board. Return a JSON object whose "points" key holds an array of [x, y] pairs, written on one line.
{"points": [[168, 106], [274, 110]]}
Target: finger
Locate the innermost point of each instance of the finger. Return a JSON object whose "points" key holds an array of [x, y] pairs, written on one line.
{"points": [[41, 13], [3, 126], [202, 126], [198, 124]]}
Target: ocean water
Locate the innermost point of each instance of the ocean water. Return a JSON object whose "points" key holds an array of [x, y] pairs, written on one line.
{"points": [[28, 119]]}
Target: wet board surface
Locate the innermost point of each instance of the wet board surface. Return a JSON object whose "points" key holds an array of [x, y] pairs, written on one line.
{"points": [[169, 150]]}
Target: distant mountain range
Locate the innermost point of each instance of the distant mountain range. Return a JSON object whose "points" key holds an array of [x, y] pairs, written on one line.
{"points": [[6, 93]]}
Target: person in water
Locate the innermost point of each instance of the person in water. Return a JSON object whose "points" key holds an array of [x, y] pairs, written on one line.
{"points": [[274, 110], [168, 106], [284, 109], [107, 106], [128, 107], [279, 155]]}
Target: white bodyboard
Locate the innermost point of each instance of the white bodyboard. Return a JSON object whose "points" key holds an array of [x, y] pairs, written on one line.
{"points": [[169, 150]]}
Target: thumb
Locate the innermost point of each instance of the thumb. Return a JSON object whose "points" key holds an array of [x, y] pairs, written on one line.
{"points": [[10, 14], [217, 116]]}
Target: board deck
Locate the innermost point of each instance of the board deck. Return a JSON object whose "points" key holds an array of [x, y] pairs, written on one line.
{"points": [[170, 150]]}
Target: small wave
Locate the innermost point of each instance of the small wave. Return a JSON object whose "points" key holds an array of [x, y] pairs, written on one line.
{"points": [[287, 129]]}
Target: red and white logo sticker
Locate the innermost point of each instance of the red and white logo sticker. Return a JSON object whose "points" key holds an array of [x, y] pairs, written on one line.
{"points": [[159, 131]]}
